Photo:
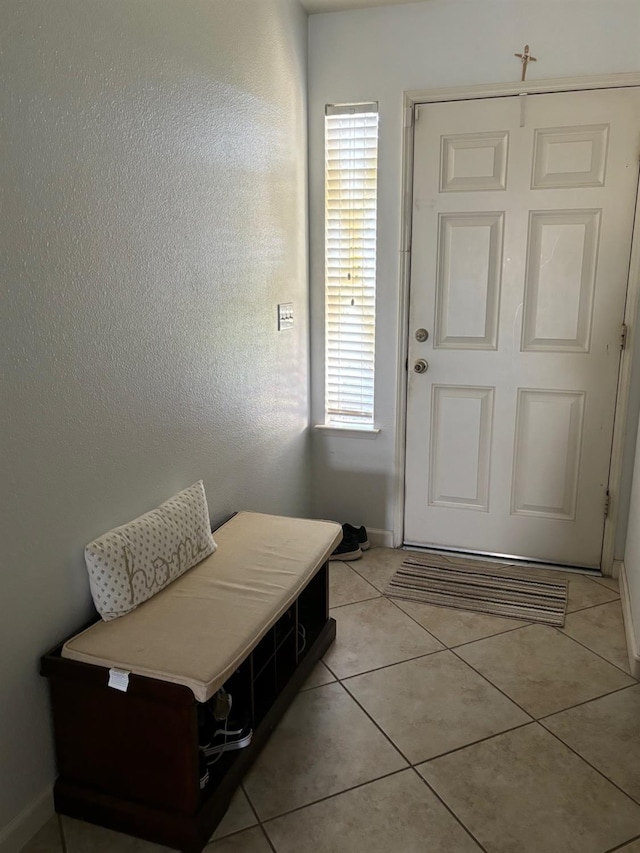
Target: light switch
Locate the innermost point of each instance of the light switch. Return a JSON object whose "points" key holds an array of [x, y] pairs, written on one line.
{"points": [[285, 316]]}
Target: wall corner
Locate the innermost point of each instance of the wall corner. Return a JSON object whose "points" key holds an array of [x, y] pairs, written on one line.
{"points": [[633, 649]]}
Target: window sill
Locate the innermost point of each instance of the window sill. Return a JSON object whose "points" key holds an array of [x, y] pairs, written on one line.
{"points": [[348, 431]]}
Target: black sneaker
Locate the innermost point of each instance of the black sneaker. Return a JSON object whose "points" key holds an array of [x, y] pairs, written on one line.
{"points": [[348, 549], [359, 534]]}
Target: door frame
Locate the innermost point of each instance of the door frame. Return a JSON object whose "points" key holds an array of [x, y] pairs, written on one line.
{"points": [[415, 97]]}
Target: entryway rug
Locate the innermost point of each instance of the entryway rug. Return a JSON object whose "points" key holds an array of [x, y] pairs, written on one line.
{"points": [[500, 589]]}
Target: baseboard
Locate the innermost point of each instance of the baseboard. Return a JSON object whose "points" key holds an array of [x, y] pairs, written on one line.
{"points": [[629, 628], [25, 825], [380, 538]]}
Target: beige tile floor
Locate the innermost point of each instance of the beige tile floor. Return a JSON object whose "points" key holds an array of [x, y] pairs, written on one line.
{"points": [[429, 730]]}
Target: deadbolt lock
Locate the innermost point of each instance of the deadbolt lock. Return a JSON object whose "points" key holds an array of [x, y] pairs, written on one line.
{"points": [[422, 335], [421, 366]]}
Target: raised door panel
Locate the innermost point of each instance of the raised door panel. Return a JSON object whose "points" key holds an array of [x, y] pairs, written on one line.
{"points": [[460, 452], [546, 463], [566, 157], [474, 162], [468, 277], [560, 280]]}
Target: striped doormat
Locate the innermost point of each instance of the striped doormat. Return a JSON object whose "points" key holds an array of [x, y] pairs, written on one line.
{"points": [[500, 589]]}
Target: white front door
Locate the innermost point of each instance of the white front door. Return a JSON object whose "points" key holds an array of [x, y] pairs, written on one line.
{"points": [[521, 239]]}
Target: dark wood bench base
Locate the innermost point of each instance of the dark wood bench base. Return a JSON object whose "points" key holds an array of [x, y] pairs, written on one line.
{"points": [[129, 761]]}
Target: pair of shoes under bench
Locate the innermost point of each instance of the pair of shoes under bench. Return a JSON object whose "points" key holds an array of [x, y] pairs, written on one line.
{"points": [[348, 549], [354, 542], [357, 533]]}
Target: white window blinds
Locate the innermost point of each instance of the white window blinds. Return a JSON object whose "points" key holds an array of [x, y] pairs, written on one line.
{"points": [[351, 174]]}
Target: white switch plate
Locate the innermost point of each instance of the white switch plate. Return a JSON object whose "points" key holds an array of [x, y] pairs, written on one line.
{"points": [[285, 316]]}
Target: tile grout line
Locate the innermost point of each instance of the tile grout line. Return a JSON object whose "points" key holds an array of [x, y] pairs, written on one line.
{"points": [[213, 841], [531, 718], [329, 668], [499, 634], [552, 713], [366, 564], [597, 654], [623, 845], [587, 702], [557, 737], [449, 809], [415, 764], [337, 793], [593, 767], [604, 578], [368, 581], [384, 666], [353, 569], [590, 606], [377, 725], [357, 601], [249, 800], [499, 689], [329, 797], [473, 743], [315, 686], [257, 817], [397, 606], [560, 710], [265, 834], [258, 825]]}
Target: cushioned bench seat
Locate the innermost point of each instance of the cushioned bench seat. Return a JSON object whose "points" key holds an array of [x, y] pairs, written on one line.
{"points": [[198, 630]]}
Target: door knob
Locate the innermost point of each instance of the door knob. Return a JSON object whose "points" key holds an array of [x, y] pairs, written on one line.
{"points": [[422, 335], [421, 366]]}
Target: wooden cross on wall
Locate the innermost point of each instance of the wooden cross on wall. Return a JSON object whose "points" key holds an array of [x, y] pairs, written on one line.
{"points": [[525, 59]]}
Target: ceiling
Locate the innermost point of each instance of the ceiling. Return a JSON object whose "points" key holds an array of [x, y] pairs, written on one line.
{"points": [[314, 6]]}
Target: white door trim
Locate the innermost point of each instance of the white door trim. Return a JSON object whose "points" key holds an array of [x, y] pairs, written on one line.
{"points": [[622, 402], [493, 90], [537, 87]]}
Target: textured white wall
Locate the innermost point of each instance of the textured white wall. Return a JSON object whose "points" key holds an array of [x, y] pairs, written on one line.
{"points": [[377, 54], [154, 213]]}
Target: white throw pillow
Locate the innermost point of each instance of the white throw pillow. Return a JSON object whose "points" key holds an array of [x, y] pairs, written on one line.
{"points": [[130, 564]]}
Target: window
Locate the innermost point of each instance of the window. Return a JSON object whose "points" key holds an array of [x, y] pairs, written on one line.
{"points": [[351, 174]]}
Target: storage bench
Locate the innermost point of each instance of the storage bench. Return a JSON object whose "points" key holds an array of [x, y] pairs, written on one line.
{"points": [[253, 617]]}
